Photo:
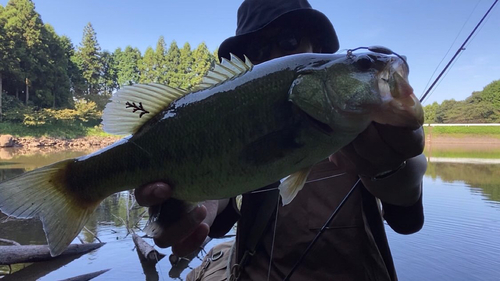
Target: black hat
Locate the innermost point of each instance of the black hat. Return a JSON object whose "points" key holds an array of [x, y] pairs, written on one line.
{"points": [[254, 15]]}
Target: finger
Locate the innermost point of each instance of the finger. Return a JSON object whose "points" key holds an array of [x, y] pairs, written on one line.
{"points": [[193, 242], [370, 146], [152, 194], [182, 228], [406, 142]]}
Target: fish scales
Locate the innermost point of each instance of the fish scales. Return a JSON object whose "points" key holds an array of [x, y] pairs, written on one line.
{"points": [[260, 125]]}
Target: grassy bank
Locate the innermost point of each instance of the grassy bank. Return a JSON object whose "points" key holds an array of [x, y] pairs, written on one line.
{"points": [[462, 131], [68, 131]]}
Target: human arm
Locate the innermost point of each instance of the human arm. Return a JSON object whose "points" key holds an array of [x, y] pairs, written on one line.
{"points": [[381, 150]]}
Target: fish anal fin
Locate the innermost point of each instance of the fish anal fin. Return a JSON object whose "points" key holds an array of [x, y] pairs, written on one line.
{"points": [[291, 186]]}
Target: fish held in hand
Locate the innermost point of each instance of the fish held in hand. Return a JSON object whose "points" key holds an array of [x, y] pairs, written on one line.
{"points": [[244, 127]]}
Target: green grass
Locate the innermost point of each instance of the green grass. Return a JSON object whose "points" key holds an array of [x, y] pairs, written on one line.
{"points": [[459, 131], [68, 131], [495, 154]]}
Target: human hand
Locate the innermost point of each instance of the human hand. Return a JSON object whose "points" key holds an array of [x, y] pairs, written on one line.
{"points": [[380, 148], [383, 148], [185, 234]]}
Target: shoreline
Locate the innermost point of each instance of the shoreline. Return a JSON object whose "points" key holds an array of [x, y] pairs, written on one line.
{"points": [[9, 141]]}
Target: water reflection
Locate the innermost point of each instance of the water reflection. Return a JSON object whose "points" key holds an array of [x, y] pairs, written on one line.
{"points": [[457, 241], [482, 178]]}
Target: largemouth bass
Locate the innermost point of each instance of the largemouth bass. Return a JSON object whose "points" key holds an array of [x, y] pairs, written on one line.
{"points": [[246, 127]]}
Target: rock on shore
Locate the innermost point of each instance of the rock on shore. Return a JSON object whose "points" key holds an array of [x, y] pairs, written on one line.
{"points": [[86, 142]]}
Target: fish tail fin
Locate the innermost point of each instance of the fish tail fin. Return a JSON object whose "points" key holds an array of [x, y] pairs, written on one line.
{"points": [[42, 193]]}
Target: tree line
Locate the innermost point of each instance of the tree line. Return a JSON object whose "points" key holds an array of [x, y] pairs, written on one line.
{"points": [[480, 107], [40, 69]]}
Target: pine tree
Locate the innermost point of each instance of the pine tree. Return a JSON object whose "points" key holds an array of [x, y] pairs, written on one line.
{"points": [[108, 78], [23, 28], [127, 65], [56, 84], [185, 68], [160, 62], [203, 60], [173, 60], [89, 62], [146, 66]]}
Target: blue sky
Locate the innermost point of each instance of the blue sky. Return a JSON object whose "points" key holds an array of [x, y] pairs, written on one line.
{"points": [[422, 30]]}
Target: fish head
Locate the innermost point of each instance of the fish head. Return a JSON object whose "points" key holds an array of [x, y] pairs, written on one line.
{"points": [[352, 90], [374, 86]]}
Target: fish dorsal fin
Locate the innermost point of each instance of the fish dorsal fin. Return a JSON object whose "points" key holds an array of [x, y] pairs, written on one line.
{"points": [[293, 184], [226, 70], [132, 106]]}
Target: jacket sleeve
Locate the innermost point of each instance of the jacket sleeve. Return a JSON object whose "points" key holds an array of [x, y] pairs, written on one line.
{"points": [[404, 220], [225, 220]]}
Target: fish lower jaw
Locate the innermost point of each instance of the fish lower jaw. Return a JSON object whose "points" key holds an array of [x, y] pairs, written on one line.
{"points": [[401, 112]]}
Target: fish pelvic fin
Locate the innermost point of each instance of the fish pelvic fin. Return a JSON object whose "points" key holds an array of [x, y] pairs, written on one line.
{"points": [[41, 193], [291, 186], [132, 106]]}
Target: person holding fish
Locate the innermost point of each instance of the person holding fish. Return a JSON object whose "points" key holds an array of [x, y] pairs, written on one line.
{"points": [[314, 130], [388, 160]]}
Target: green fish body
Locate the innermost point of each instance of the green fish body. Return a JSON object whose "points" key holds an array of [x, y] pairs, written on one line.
{"points": [[247, 126]]}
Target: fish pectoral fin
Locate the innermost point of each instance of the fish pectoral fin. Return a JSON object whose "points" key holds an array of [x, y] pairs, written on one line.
{"points": [[293, 184], [41, 193], [132, 106]]}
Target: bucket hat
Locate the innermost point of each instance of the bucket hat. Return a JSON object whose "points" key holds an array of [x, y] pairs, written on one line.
{"points": [[255, 15]]}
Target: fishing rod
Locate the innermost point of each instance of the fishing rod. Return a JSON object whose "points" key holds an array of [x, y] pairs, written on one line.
{"points": [[376, 49], [383, 50], [462, 48]]}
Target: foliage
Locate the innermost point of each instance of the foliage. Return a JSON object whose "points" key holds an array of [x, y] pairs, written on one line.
{"points": [[83, 113], [480, 107]]}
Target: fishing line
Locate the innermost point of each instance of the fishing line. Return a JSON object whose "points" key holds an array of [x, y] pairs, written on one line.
{"points": [[451, 46], [323, 228], [315, 180], [274, 238], [458, 51]]}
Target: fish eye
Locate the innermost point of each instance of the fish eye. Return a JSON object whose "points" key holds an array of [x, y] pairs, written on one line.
{"points": [[364, 63]]}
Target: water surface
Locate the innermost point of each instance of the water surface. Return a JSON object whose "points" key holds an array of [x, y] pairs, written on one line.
{"points": [[460, 239]]}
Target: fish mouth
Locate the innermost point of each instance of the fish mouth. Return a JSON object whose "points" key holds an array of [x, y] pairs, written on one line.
{"points": [[400, 106]]}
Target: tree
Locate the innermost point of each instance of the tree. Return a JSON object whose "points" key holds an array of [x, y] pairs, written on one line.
{"points": [[22, 28], [89, 62], [160, 67], [430, 112], [56, 84], [185, 67], [146, 66], [127, 63], [203, 60], [491, 94], [173, 57], [108, 78]]}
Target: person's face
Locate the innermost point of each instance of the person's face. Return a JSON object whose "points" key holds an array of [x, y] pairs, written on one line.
{"points": [[274, 42]]}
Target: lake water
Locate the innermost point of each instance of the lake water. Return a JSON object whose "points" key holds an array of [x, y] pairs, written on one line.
{"points": [[460, 239]]}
